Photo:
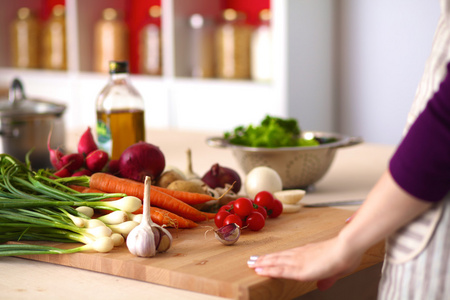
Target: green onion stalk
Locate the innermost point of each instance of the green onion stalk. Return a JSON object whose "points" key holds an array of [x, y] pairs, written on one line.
{"points": [[39, 206]]}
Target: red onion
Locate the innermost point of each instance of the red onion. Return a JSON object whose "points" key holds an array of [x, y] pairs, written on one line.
{"points": [[140, 160], [219, 176]]}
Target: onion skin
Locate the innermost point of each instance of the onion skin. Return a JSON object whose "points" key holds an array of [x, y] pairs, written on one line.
{"points": [[87, 144], [218, 177], [140, 160]]}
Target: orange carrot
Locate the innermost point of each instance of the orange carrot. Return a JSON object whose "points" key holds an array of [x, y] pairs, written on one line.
{"points": [[163, 217], [77, 188], [112, 184], [92, 190]]}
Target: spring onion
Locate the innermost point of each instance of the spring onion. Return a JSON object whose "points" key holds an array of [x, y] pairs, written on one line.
{"points": [[36, 206]]}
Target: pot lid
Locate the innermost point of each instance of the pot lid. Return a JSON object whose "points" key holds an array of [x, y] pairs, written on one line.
{"points": [[18, 105]]}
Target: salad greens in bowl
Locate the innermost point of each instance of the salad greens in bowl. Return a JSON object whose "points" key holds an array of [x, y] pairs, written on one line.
{"points": [[301, 158]]}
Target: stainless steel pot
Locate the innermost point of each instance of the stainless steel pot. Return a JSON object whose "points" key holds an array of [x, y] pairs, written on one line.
{"points": [[25, 125]]}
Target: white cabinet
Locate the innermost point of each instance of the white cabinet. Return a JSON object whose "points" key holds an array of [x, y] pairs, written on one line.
{"points": [[302, 86]]}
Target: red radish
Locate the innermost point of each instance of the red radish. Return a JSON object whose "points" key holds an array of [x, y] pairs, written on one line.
{"points": [[113, 167], [96, 160], [218, 176], [140, 160], [55, 154], [82, 173], [63, 172], [87, 144], [72, 161]]}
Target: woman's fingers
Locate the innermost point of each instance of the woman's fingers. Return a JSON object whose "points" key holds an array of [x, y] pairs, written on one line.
{"points": [[322, 261]]}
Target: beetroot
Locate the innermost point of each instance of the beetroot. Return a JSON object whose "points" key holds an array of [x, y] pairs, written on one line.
{"points": [[218, 176], [96, 160], [72, 161], [87, 144], [140, 160]]}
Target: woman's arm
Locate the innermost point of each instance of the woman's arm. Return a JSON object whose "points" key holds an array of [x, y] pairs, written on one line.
{"points": [[387, 208]]}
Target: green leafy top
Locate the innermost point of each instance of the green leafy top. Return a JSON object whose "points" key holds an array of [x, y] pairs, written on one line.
{"points": [[273, 132]]}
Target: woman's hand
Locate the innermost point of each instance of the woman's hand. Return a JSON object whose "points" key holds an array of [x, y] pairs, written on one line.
{"points": [[324, 261], [387, 208]]}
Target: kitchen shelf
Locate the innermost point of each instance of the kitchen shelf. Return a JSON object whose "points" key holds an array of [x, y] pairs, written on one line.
{"points": [[302, 85]]}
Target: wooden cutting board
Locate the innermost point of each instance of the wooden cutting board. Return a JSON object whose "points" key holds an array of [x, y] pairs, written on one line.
{"points": [[200, 263]]}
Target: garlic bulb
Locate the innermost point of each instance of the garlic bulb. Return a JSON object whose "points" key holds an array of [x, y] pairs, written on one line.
{"points": [[190, 174], [148, 238]]}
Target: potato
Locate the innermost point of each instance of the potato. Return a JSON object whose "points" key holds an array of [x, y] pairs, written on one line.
{"points": [[168, 177], [192, 186]]}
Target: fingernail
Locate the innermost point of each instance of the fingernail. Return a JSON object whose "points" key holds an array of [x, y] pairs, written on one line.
{"points": [[254, 257], [258, 270], [251, 262]]}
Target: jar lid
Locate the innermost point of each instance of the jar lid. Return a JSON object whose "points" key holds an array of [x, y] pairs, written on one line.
{"points": [[17, 105]]}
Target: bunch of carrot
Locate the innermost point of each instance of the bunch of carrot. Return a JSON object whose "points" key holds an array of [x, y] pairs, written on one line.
{"points": [[168, 207]]}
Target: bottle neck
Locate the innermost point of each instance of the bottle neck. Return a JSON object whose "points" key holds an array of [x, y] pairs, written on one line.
{"points": [[119, 77]]}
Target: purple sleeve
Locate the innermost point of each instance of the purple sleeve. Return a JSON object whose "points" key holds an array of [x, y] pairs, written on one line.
{"points": [[421, 163]]}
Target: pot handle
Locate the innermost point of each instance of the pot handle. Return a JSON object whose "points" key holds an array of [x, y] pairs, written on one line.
{"points": [[217, 142], [16, 92]]}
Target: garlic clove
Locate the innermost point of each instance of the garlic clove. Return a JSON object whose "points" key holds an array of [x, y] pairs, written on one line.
{"points": [[228, 234], [165, 240]]}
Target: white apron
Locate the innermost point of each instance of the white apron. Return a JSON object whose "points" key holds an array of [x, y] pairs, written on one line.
{"points": [[417, 262]]}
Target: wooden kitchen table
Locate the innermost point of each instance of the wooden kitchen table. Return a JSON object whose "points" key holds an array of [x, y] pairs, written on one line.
{"points": [[352, 174]]}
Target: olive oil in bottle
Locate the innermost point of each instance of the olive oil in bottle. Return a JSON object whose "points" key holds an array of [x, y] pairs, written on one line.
{"points": [[120, 112]]}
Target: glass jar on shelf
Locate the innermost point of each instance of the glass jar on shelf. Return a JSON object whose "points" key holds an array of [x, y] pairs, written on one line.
{"points": [[54, 55], [233, 46], [110, 40], [261, 48], [24, 37], [201, 46], [150, 44], [120, 112]]}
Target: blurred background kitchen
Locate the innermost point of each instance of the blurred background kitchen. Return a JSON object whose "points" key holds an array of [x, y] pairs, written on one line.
{"points": [[348, 66]]}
